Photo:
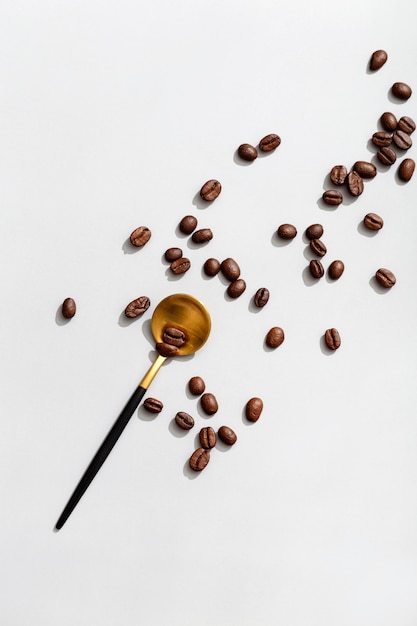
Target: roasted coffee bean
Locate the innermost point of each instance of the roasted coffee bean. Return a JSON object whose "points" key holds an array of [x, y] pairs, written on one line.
{"points": [[365, 169], [199, 459], [378, 59], [318, 247], [269, 142], [166, 349], [210, 190], [253, 409], [402, 91], [236, 288], [172, 254], [188, 224], [402, 140], [68, 308], [180, 266], [406, 124], [227, 435], [261, 297], [386, 156], [153, 405], [385, 278], [373, 221], [209, 403], [286, 231], [332, 197], [381, 138], [184, 420], [247, 152], [137, 307], [338, 174], [355, 183], [202, 236], [274, 337], [336, 269], [140, 236], [207, 437], [174, 336], [332, 338], [211, 267], [316, 268], [230, 269], [388, 121], [314, 231], [196, 385], [406, 169]]}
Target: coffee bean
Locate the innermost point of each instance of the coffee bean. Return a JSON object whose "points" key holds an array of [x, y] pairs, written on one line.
{"points": [[210, 190], [261, 297], [209, 403], [402, 91], [207, 437], [332, 338], [314, 231], [202, 236], [184, 420], [247, 152], [381, 138], [402, 140], [274, 337], [199, 459], [378, 59], [338, 174], [336, 269], [236, 288], [172, 254], [355, 183], [365, 169], [227, 435], [230, 269], [388, 121], [153, 405], [406, 124], [386, 156], [180, 266], [318, 247], [332, 197], [253, 409], [211, 267], [140, 236], [188, 224], [406, 169], [68, 308], [269, 142], [373, 221], [174, 336], [166, 349], [385, 278], [286, 231], [316, 268], [137, 307], [196, 385]]}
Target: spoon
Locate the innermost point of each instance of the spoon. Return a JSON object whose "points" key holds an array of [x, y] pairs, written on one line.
{"points": [[179, 311]]}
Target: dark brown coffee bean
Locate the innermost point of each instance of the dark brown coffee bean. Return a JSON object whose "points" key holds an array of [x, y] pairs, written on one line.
{"points": [[261, 297], [406, 124], [211, 267], [196, 385], [153, 405], [184, 420], [269, 142], [318, 247], [286, 231], [385, 278], [338, 174], [253, 409], [388, 121], [172, 254], [378, 59], [365, 169], [199, 459], [336, 269], [314, 231], [381, 138], [332, 197], [332, 338], [140, 236], [188, 224], [236, 288], [210, 190], [207, 437], [274, 337], [180, 266], [166, 349], [386, 156], [373, 221], [174, 336], [355, 183], [202, 236], [247, 152], [209, 403], [230, 269], [227, 435], [402, 91], [402, 140], [316, 268], [137, 307], [406, 169], [68, 308]]}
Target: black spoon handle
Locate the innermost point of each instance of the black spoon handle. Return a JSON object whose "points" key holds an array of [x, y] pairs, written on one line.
{"points": [[102, 454]]}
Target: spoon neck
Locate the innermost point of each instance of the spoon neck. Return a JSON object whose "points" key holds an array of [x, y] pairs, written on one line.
{"points": [[152, 371]]}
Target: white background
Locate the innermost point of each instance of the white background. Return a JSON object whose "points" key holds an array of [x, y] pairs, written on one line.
{"points": [[112, 115]]}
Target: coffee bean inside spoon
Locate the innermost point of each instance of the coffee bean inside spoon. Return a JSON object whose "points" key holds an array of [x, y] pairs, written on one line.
{"points": [[178, 312]]}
